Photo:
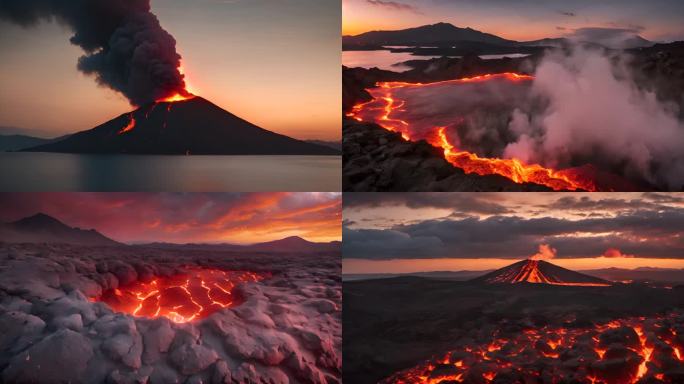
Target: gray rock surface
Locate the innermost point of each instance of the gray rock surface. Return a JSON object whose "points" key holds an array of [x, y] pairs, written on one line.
{"points": [[287, 329]]}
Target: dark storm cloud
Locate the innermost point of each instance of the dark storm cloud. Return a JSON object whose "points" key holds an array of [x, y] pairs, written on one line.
{"points": [[462, 203], [126, 47], [393, 5], [585, 203], [516, 237]]}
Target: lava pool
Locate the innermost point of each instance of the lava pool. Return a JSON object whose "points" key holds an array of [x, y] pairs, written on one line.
{"points": [[193, 295]]}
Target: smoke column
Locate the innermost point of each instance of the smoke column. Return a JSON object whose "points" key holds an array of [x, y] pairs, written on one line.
{"points": [[126, 49], [546, 252]]}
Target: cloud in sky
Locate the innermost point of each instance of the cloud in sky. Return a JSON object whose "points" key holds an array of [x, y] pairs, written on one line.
{"points": [[574, 226], [187, 217], [393, 5]]}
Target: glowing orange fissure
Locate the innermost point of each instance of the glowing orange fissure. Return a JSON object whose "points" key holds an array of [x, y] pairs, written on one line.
{"points": [[384, 103], [504, 352], [181, 298], [182, 95]]}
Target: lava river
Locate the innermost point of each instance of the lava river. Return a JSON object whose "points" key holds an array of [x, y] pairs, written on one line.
{"points": [[181, 298], [388, 110], [619, 352]]}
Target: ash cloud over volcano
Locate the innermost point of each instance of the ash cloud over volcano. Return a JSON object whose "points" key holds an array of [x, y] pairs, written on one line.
{"points": [[126, 49]]}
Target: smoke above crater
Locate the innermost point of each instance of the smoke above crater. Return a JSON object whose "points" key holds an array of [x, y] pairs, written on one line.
{"points": [[126, 49]]}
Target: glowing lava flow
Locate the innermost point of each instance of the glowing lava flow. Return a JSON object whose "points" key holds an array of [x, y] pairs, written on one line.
{"points": [[130, 125], [181, 298], [617, 352], [182, 95], [185, 94], [385, 103], [529, 271]]}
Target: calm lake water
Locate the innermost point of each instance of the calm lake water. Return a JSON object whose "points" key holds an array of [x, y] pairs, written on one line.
{"points": [[387, 60], [70, 172]]}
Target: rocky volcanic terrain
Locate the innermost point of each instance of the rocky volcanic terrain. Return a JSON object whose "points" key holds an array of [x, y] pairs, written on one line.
{"points": [[376, 159], [411, 329], [381, 161], [54, 330]]}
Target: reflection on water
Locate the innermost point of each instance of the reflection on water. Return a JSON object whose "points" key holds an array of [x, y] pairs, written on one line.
{"points": [[381, 59], [388, 60], [70, 172]]}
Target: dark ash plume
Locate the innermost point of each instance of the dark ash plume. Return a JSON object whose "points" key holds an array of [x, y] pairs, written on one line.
{"points": [[126, 48]]}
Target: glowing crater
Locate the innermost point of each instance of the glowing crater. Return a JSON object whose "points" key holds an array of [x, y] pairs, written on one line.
{"points": [[181, 298]]}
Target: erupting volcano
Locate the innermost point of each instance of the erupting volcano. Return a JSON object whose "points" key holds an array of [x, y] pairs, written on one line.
{"points": [[540, 272], [182, 298], [388, 110], [182, 124], [618, 352]]}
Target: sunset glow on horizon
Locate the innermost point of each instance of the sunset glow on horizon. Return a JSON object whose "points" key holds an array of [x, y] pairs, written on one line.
{"points": [[521, 21], [236, 218], [424, 232]]}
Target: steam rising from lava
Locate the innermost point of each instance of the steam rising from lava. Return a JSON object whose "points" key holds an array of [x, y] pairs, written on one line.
{"points": [[546, 252], [126, 48], [594, 111], [580, 108]]}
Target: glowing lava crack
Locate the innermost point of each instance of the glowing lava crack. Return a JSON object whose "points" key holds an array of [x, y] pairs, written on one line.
{"points": [[623, 351], [182, 298], [386, 104]]}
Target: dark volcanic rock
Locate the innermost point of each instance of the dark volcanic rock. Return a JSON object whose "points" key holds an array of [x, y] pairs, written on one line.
{"points": [[376, 159]]}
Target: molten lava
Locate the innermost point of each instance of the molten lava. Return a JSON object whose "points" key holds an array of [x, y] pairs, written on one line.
{"points": [[184, 94], [181, 298], [385, 103], [541, 272], [618, 352], [130, 125], [180, 95], [176, 97]]}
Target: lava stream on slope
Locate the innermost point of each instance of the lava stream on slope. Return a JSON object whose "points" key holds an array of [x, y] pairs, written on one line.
{"points": [[181, 298], [619, 352], [385, 105]]}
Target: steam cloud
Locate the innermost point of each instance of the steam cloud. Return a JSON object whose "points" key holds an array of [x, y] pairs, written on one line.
{"points": [[596, 113], [546, 252], [126, 48], [583, 107]]}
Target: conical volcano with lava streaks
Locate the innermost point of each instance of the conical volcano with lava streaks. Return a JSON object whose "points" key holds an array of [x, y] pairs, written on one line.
{"points": [[540, 272], [182, 125]]}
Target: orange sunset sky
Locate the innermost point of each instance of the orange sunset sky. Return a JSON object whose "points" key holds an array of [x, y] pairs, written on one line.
{"points": [[274, 63], [519, 20], [237, 218], [418, 232]]}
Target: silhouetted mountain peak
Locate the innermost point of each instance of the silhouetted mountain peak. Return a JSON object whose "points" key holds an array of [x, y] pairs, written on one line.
{"points": [[431, 34], [40, 220], [43, 228], [191, 126]]}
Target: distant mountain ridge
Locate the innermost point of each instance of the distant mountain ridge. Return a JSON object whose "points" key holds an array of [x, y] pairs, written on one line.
{"points": [[433, 34], [447, 36], [292, 244], [19, 142], [42, 228]]}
